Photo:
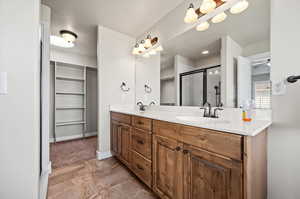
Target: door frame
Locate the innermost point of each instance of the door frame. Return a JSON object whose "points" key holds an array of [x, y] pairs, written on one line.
{"points": [[201, 70]]}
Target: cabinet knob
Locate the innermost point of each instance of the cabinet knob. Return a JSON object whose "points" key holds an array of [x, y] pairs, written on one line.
{"points": [[178, 148], [140, 123], [140, 142], [185, 151], [139, 167]]}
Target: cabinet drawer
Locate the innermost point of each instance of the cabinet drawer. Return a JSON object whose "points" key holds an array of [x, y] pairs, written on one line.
{"points": [[123, 118], [142, 123], [142, 168], [166, 129], [226, 144], [141, 142]]}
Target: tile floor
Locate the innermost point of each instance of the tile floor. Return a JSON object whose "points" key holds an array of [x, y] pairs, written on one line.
{"points": [[70, 152], [94, 179]]}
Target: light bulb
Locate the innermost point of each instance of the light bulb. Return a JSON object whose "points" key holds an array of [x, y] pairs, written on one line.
{"points": [[146, 55], [159, 49], [219, 17], [239, 7], [152, 52], [135, 50], [141, 46], [148, 43], [191, 15], [203, 26], [207, 6]]}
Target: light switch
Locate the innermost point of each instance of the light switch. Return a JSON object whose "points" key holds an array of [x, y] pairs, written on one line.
{"points": [[3, 83]]}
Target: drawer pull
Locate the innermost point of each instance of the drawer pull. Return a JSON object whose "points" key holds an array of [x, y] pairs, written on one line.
{"points": [[178, 148], [140, 123], [185, 151], [140, 142], [139, 167]]}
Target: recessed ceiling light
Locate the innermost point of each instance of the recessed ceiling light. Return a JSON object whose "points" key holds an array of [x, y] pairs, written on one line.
{"points": [[205, 52], [60, 42]]}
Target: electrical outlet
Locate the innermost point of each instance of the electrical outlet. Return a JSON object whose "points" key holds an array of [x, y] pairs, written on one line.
{"points": [[3, 83]]}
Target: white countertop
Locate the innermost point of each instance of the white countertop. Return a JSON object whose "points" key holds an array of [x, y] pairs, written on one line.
{"points": [[230, 119]]}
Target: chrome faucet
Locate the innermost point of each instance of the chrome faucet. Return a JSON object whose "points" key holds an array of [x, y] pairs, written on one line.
{"points": [[142, 107], [208, 111]]}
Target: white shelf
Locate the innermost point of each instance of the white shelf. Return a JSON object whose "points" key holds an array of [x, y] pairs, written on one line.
{"points": [[69, 108], [167, 78], [69, 123], [69, 78], [69, 93]]}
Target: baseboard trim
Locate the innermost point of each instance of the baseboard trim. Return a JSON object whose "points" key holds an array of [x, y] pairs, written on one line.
{"points": [[103, 155], [44, 182], [72, 137]]}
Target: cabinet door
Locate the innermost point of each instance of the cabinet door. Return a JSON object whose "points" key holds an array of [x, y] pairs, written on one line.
{"points": [[124, 143], [114, 137], [167, 168], [210, 176]]}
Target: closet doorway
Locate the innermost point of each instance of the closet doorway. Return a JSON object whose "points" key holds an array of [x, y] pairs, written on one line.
{"points": [[74, 101]]}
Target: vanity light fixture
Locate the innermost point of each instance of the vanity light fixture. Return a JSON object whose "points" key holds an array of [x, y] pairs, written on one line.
{"points": [[191, 16], [205, 52], [147, 47], [239, 7], [219, 17], [208, 6], [203, 26]]}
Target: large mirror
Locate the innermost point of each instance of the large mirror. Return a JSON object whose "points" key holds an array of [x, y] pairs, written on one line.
{"points": [[225, 65]]}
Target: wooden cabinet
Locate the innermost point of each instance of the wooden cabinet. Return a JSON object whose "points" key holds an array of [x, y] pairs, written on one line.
{"points": [[184, 162], [209, 176], [167, 167]]}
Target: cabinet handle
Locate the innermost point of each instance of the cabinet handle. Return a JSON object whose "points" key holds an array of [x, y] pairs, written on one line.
{"points": [[139, 167], [140, 142], [140, 123], [178, 148], [185, 151]]}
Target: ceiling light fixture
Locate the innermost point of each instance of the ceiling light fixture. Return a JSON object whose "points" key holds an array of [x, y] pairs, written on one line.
{"points": [[69, 36], [147, 47], [60, 42], [219, 17], [208, 6], [191, 16], [205, 52], [239, 7]]}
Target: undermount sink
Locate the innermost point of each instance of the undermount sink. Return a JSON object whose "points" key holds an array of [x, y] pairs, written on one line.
{"points": [[201, 119]]}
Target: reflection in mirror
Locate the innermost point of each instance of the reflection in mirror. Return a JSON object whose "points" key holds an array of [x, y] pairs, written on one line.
{"points": [[225, 65]]}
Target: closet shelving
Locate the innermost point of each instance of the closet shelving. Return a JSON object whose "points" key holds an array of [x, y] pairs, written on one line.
{"points": [[70, 99]]}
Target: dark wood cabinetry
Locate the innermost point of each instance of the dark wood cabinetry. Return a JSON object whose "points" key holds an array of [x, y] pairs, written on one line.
{"points": [[184, 162]]}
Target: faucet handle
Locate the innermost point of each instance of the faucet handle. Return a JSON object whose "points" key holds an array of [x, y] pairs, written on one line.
{"points": [[215, 115]]}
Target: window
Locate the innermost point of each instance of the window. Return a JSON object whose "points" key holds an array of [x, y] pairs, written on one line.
{"points": [[263, 94]]}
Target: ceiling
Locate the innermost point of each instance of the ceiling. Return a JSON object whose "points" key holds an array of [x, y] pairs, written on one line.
{"points": [[132, 17], [246, 28]]}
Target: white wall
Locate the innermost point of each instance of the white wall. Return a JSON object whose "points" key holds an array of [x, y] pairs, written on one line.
{"points": [[182, 64], [229, 53], [148, 72], [284, 136], [19, 117], [72, 58], [115, 65], [212, 60], [257, 48]]}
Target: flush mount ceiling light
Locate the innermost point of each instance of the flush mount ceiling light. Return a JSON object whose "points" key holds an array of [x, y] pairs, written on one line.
{"points": [[146, 48], [205, 52], [208, 10], [69, 36], [239, 7], [60, 42], [219, 17]]}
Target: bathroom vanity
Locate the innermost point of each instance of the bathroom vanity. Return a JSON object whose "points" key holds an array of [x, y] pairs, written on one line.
{"points": [[178, 159]]}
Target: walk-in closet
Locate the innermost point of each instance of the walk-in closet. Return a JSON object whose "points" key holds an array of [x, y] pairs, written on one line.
{"points": [[73, 136]]}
